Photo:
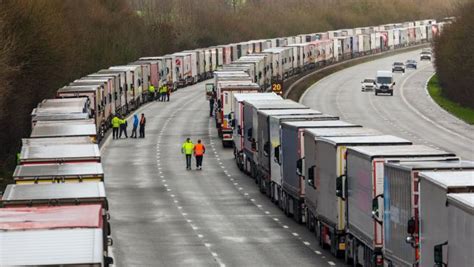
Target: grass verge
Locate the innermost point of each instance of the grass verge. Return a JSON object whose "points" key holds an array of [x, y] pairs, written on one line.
{"points": [[436, 92]]}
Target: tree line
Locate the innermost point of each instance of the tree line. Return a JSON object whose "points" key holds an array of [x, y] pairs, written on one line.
{"points": [[45, 44], [454, 57]]}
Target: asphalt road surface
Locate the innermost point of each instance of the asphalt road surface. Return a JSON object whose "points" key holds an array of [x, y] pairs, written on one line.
{"points": [[164, 215], [410, 113]]}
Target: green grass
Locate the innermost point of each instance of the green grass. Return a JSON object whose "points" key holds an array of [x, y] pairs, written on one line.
{"points": [[464, 113]]}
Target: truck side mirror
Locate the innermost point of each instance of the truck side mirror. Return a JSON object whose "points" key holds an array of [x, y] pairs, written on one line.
{"points": [[266, 149], [311, 176], [299, 167], [276, 152], [375, 209], [340, 187], [438, 254]]}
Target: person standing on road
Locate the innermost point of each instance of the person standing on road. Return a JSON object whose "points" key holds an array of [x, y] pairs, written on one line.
{"points": [[167, 92], [115, 126], [187, 149], [123, 127], [151, 90], [142, 126], [135, 126], [199, 151], [211, 106]]}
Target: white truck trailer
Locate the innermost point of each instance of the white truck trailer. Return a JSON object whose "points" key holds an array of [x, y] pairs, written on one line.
{"points": [[330, 170], [269, 139], [433, 225], [364, 194], [461, 230], [251, 127], [238, 129], [401, 207], [290, 158]]}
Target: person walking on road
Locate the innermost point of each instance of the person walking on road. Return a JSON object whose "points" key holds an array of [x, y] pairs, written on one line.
{"points": [[187, 149], [135, 126], [123, 127], [115, 127], [199, 151], [142, 126]]}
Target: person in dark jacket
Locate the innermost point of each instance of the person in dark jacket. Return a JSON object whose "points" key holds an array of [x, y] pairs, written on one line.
{"points": [[123, 127], [135, 126], [142, 126]]}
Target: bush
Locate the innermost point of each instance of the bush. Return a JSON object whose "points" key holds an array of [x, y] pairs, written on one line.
{"points": [[454, 57]]}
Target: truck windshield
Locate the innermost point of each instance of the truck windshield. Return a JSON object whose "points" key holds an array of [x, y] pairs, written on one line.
{"points": [[384, 80]]}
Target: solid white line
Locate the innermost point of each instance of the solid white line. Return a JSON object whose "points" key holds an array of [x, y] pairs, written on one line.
{"points": [[423, 116]]}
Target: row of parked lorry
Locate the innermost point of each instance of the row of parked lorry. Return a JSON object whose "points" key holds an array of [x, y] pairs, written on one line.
{"points": [[56, 212], [370, 198]]}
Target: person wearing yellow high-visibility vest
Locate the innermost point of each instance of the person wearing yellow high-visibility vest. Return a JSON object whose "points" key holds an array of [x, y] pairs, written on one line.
{"points": [[188, 149], [151, 92], [115, 127]]}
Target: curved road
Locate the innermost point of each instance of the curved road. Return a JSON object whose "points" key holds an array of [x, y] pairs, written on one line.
{"points": [[410, 113], [164, 215]]}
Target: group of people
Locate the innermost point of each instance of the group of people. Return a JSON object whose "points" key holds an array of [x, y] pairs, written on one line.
{"points": [[119, 123], [163, 93], [188, 149]]}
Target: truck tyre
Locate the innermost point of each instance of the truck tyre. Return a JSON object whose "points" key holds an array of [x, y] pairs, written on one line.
{"points": [[376, 93], [391, 93]]}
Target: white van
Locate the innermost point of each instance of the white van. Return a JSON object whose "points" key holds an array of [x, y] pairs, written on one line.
{"points": [[384, 82]]}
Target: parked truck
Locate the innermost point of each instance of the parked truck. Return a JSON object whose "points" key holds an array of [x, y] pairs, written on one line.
{"points": [[251, 127], [329, 169], [58, 150], [290, 155], [269, 138], [226, 109], [238, 129], [364, 192], [74, 128], [401, 207], [310, 136], [58, 173], [433, 226], [461, 230], [76, 234]]}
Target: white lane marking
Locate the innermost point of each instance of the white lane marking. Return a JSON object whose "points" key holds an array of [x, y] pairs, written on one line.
{"points": [[295, 234], [267, 212], [423, 116], [275, 219], [306, 243], [207, 245], [200, 236], [331, 263], [285, 226], [317, 252]]}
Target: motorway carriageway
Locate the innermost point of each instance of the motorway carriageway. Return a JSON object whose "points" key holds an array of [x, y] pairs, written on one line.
{"points": [[164, 215], [410, 113]]}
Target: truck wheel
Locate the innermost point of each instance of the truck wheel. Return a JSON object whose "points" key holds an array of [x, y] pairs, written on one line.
{"points": [[376, 93], [391, 93]]}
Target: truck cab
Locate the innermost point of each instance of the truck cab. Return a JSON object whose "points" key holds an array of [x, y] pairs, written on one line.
{"points": [[384, 82]]}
